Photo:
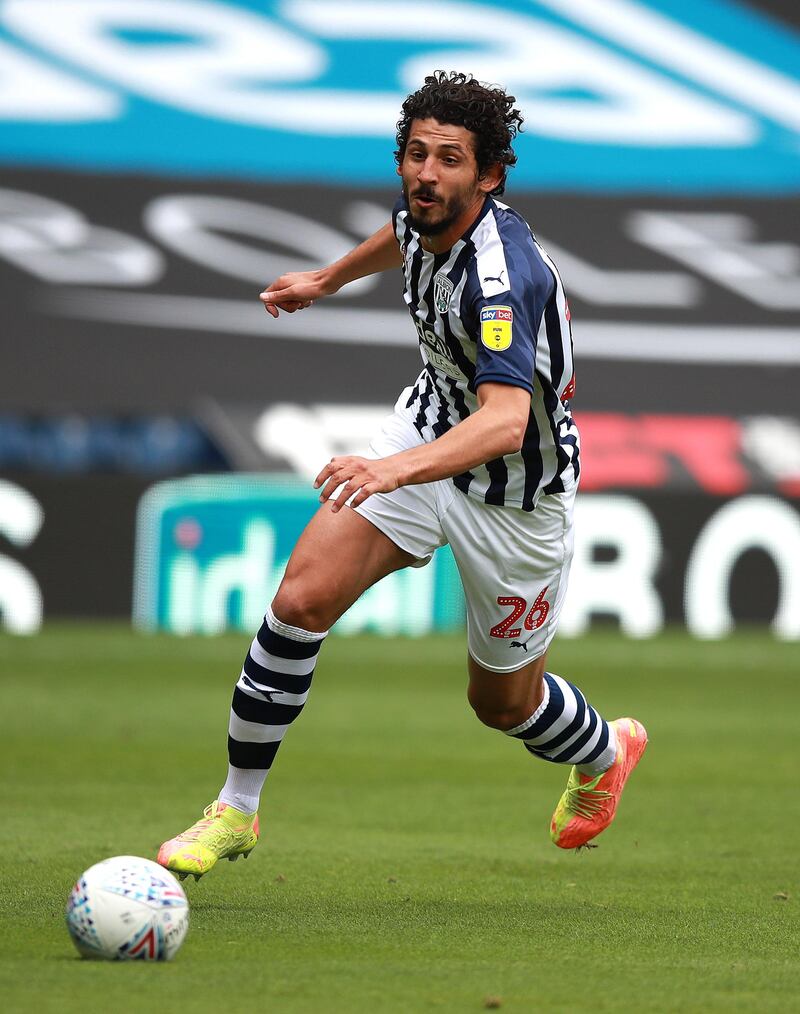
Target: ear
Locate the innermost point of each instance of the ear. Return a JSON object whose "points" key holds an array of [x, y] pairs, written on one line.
{"points": [[490, 178], [398, 170]]}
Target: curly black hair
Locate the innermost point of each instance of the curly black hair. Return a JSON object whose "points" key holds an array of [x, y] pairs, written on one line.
{"points": [[460, 100]]}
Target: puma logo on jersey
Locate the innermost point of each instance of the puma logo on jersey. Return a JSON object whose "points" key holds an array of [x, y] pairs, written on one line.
{"points": [[495, 278]]}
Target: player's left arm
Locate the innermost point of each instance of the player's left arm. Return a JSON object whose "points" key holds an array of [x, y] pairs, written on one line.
{"points": [[505, 328], [496, 429]]}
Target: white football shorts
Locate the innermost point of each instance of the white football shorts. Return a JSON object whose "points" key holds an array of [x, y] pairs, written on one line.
{"points": [[514, 564]]}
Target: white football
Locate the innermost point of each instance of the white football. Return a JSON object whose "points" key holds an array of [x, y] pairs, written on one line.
{"points": [[127, 908]]}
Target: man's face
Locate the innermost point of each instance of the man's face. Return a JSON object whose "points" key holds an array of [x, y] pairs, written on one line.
{"points": [[440, 175]]}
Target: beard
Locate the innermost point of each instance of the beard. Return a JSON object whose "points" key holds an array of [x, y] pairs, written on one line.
{"points": [[436, 219]]}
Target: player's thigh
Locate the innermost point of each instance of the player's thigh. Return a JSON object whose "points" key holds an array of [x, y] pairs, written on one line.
{"points": [[514, 567], [338, 556]]}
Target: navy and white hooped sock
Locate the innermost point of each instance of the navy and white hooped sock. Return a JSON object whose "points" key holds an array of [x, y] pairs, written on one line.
{"points": [[270, 694], [566, 729]]}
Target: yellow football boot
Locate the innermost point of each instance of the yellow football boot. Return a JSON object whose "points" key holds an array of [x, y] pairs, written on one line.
{"points": [[222, 833]]}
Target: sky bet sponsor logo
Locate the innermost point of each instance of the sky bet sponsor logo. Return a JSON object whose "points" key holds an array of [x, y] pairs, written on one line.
{"points": [[497, 313], [618, 94]]}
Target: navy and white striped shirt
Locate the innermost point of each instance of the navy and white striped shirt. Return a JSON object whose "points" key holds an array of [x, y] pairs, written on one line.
{"points": [[493, 308]]}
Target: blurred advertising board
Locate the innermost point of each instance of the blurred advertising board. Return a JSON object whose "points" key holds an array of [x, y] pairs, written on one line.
{"points": [[210, 553], [66, 547], [140, 294], [620, 95]]}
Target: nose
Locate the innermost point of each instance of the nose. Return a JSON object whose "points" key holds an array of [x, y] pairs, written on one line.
{"points": [[427, 171]]}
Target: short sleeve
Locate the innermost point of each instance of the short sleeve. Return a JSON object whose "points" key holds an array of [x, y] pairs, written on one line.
{"points": [[506, 326]]}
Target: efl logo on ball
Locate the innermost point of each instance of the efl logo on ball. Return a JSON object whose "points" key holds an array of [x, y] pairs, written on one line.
{"points": [[496, 324]]}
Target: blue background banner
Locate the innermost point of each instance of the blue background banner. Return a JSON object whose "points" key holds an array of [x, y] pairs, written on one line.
{"points": [[664, 96]]}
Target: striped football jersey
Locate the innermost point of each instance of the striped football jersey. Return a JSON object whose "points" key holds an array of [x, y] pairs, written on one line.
{"points": [[493, 309]]}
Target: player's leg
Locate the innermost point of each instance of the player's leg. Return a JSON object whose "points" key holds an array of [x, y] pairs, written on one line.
{"points": [[505, 701], [555, 722], [335, 560], [338, 556], [514, 567]]}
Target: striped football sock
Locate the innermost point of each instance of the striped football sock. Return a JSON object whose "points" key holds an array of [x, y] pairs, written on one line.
{"points": [[566, 729], [270, 694]]}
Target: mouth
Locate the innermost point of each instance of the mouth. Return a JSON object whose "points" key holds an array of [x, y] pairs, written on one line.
{"points": [[425, 200]]}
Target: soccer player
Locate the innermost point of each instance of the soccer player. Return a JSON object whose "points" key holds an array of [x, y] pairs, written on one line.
{"points": [[481, 452]]}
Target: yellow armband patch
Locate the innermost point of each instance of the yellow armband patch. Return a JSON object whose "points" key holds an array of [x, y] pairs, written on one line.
{"points": [[496, 324]]}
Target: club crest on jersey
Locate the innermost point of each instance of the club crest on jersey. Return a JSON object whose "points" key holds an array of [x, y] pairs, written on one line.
{"points": [[442, 291], [496, 324]]}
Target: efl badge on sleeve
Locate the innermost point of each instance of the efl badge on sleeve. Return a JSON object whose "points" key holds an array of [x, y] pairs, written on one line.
{"points": [[496, 323], [442, 291]]}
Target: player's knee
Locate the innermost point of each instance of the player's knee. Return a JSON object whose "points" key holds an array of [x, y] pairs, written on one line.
{"points": [[297, 604], [500, 720], [496, 714]]}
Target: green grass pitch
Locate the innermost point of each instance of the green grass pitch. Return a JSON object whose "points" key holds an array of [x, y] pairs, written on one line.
{"points": [[405, 864]]}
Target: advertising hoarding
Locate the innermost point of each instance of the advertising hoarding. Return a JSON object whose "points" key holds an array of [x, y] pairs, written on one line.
{"points": [[211, 551]]}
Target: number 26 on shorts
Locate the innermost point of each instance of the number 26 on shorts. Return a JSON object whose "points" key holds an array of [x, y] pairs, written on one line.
{"points": [[537, 614]]}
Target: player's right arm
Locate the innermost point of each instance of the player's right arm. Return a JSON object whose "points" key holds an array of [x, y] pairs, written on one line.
{"points": [[298, 289]]}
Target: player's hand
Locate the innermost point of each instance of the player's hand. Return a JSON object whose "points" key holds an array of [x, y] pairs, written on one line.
{"points": [[362, 476], [295, 290]]}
